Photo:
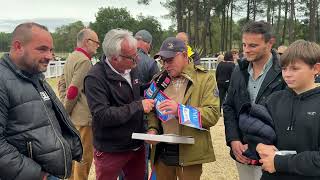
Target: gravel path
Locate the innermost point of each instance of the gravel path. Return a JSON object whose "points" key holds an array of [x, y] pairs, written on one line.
{"points": [[223, 168]]}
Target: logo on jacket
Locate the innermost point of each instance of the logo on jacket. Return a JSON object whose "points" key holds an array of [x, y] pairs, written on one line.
{"points": [[136, 81], [44, 96], [312, 113]]}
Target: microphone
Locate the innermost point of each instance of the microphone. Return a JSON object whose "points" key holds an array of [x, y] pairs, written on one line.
{"points": [[162, 83]]}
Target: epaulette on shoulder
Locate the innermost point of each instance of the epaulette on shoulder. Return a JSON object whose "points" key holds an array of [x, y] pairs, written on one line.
{"points": [[200, 68]]}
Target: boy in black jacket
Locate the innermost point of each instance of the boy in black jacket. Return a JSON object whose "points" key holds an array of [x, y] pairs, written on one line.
{"points": [[296, 115]]}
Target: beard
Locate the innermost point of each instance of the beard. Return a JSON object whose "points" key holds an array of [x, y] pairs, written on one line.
{"points": [[32, 65]]}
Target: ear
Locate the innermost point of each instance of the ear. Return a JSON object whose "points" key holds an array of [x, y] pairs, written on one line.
{"points": [[17, 45], [316, 68], [272, 41]]}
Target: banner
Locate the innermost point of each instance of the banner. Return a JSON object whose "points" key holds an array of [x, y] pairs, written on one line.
{"points": [[189, 116]]}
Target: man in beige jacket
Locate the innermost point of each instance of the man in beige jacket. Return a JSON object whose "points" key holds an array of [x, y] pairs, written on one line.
{"points": [[72, 95]]}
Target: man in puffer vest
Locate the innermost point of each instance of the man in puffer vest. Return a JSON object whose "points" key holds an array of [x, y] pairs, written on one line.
{"points": [[37, 138]]}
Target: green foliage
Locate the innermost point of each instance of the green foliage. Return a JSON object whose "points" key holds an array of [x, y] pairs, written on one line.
{"points": [[5, 39], [111, 18], [65, 37]]}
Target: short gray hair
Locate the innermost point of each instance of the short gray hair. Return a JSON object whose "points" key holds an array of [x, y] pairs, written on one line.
{"points": [[82, 35], [112, 42]]}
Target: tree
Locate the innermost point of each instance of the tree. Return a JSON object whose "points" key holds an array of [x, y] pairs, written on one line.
{"points": [[291, 21], [111, 18], [65, 37], [313, 7], [153, 26], [5, 40]]}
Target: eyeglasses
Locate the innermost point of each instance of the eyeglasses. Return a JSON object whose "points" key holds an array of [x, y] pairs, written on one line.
{"points": [[170, 60], [133, 59], [167, 60], [97, 42]]}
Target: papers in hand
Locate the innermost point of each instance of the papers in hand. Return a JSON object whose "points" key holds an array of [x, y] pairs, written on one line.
{"points": [[285, 152], [168, 138]]}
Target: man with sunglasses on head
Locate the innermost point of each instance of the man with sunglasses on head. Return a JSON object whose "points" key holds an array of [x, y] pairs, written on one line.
{"points": [[193, 86], [71, 94], [112, 88]]}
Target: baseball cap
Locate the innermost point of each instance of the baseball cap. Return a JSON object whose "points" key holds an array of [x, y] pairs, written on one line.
{"points": [[144, 35], [170, 47]]}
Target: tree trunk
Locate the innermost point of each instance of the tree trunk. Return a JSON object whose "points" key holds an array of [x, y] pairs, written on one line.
{"points": [[179, 15], [312, 26], [291, 21], [272, 17], [248, 10], [210, 37], [278, 22], [231, 24], [226, 28], [196, 22], [222, 28], [285, 22], [254, 5], [268, 11], [207, 4], [189, 23], [318, 27]]}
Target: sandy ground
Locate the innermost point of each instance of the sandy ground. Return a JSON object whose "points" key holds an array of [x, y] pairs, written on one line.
{"points": [[223, 168]]}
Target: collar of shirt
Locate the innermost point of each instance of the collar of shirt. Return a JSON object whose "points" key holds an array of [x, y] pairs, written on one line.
{"points": [[266, 67], [126, 75], [84, 52]]}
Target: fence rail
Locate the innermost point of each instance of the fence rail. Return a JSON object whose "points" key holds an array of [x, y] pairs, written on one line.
{"points": [[55, 68], [209, 63]]}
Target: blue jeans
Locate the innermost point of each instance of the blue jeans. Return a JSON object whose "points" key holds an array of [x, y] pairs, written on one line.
{"points": [[50, 177]]}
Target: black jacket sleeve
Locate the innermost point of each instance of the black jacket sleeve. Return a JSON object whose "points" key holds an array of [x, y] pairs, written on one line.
{"points": [[306, 163], [13, 164], [232, 130], [101, 109]]}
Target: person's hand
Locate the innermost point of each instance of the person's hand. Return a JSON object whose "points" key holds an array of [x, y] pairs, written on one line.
{"points": [[168, 107], [265, 150], [44, 175], [148, 105], [238, 148], [267, 154], [154, 132], [268, 163]]}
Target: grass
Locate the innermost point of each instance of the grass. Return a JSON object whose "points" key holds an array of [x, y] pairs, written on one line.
{"points": [[1, 54], [54, 84]]}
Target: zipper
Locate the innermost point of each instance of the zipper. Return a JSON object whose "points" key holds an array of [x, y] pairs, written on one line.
{"points": [[65, 121], [55, 132], [29, 149], [258, 97], [60, 112]]}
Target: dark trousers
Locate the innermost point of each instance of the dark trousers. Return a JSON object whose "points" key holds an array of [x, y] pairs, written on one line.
{"points": [[109, 165], [223, 89]]}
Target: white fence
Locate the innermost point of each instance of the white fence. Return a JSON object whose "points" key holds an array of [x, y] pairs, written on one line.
{"points": [[209, 63], [54, 69]]}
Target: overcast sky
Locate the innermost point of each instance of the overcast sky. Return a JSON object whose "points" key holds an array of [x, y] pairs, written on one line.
{"points": [[54, 13]]}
